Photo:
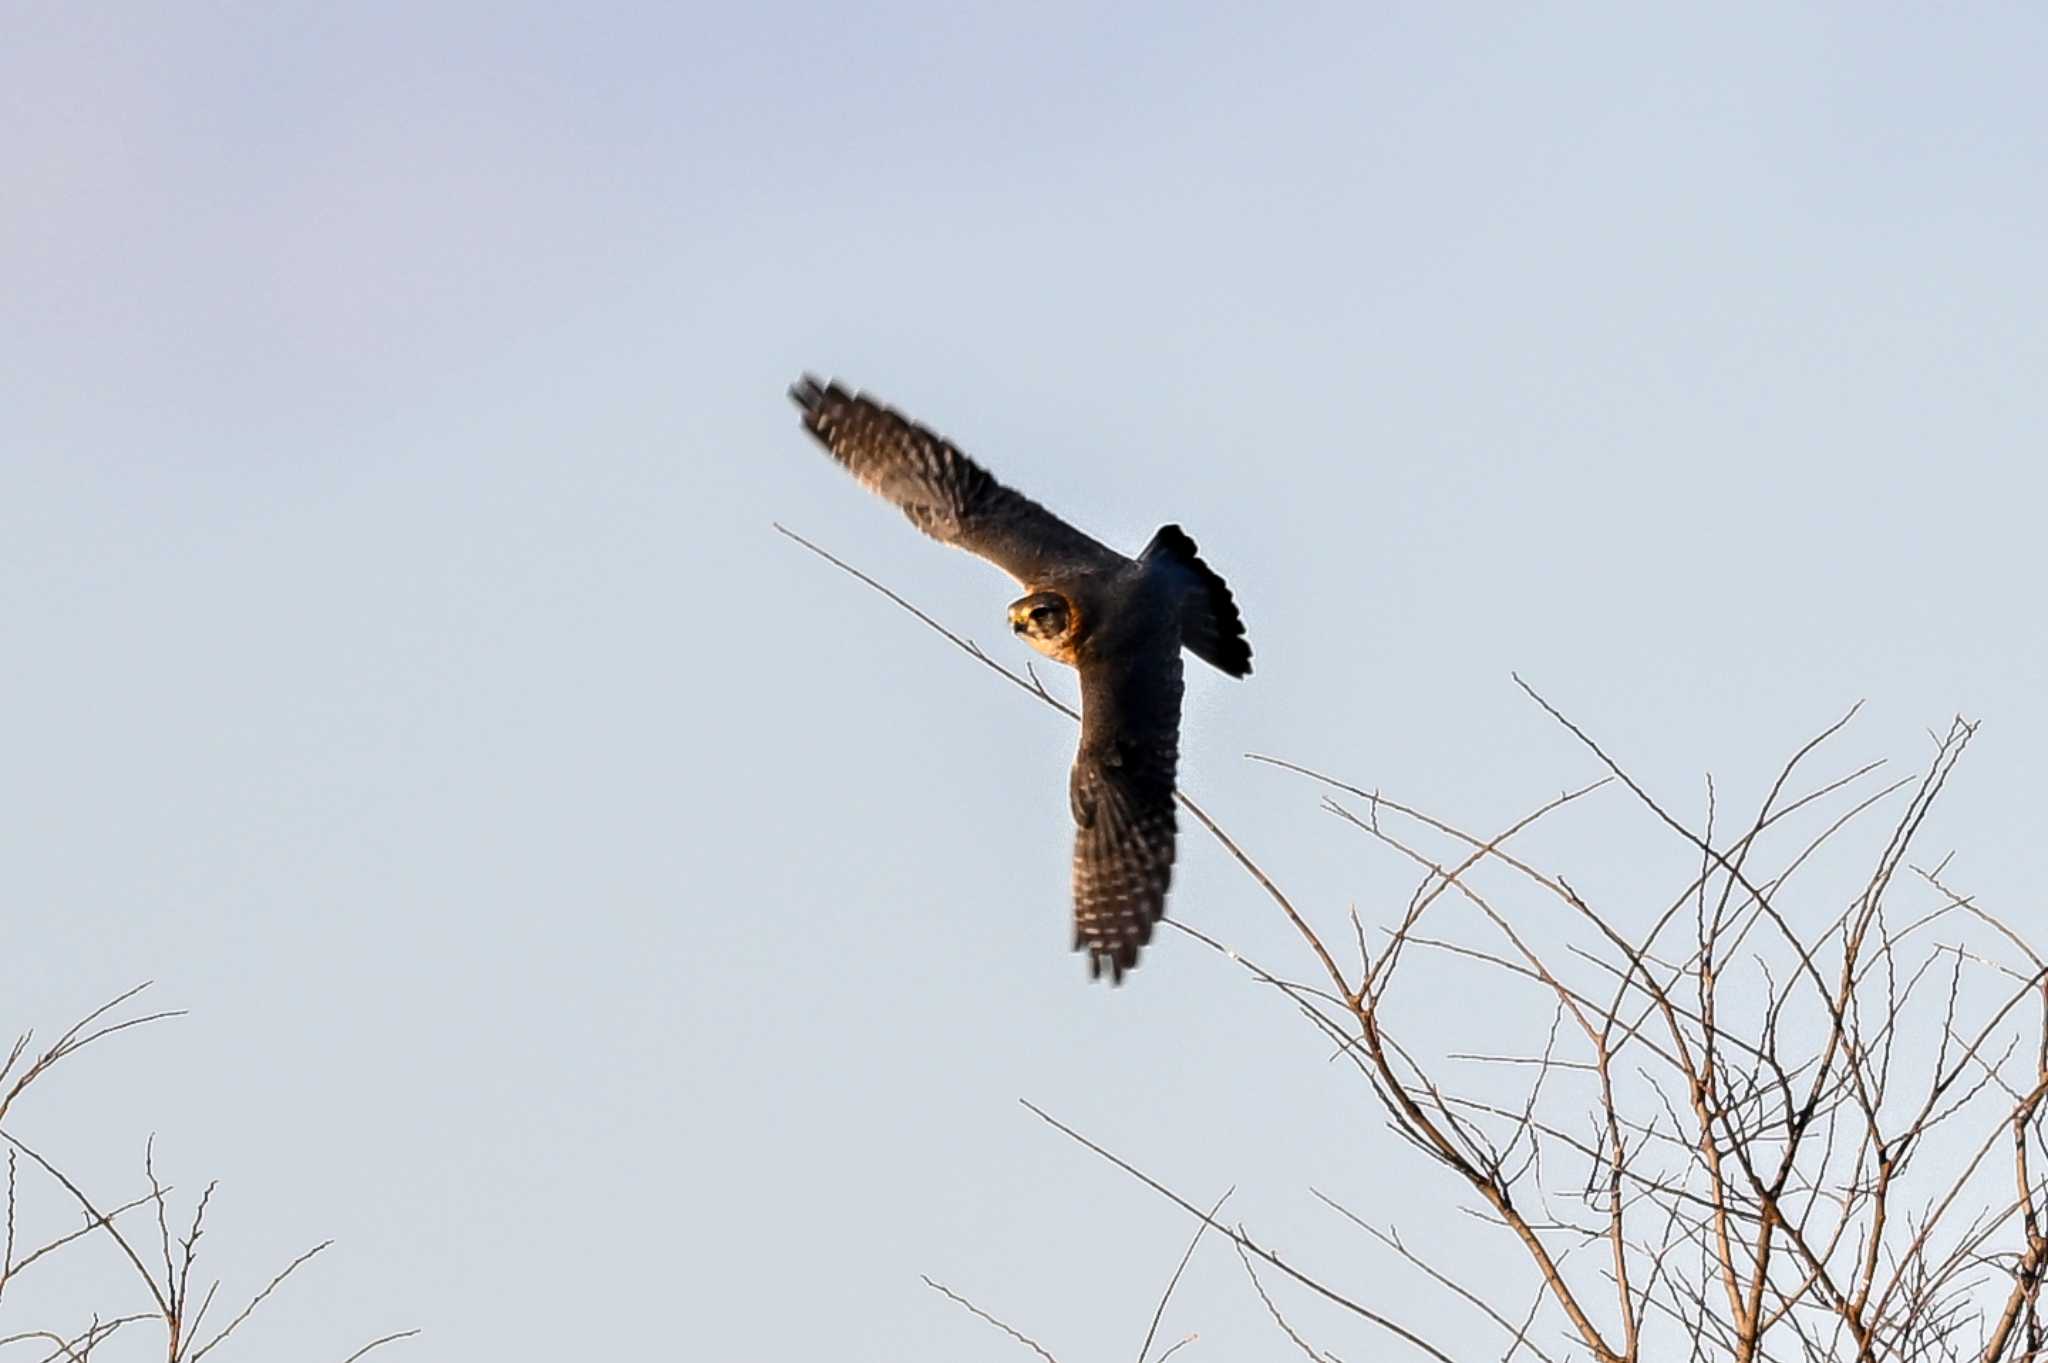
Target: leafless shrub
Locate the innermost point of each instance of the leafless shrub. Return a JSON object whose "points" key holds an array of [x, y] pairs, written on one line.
{"points": [[159, 1295], [1748, 1127]]}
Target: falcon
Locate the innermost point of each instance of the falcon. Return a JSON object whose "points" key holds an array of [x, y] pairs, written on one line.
{"points": [[1120, 622]]}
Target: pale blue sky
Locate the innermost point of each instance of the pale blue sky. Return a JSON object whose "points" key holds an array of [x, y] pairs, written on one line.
{"points": [[624, 934]]}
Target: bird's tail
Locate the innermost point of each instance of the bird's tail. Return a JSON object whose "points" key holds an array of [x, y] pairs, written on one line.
{"points": [[1210, 626]]}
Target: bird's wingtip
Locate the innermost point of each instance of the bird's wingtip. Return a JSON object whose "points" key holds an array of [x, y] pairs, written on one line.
{"points": [[807, 392]]}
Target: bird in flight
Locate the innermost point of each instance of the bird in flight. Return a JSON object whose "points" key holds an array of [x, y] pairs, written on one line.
{"points": [[1120, 622]]}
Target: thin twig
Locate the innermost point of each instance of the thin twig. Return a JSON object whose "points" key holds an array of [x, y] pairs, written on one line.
{"points": [[1012, 1332]]}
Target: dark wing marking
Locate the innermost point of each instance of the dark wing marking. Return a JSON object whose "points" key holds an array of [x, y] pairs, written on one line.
{"points": [[1122, 792], [945, 494]]}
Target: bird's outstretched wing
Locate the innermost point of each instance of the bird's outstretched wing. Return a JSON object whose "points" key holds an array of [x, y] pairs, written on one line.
{"points": [[1122, 793], [942, 491]]}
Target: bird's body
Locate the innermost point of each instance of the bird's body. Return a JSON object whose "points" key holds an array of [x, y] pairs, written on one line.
{"points": [[1120, 622]]}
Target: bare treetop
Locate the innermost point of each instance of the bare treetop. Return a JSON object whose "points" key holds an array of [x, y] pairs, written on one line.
{"points": [[1772, 1115]]}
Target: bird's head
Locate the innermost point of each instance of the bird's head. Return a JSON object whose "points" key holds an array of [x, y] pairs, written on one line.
{"points": [[1048, 622]]}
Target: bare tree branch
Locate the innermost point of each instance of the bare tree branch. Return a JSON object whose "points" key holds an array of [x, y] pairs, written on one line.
{"points": [[1774, 1141]]}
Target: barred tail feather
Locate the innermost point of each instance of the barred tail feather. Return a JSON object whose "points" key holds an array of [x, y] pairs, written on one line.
{"points": [[1210, 626]]}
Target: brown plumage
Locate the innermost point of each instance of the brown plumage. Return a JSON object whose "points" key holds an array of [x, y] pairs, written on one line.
{"points": [[1120, 622]]}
